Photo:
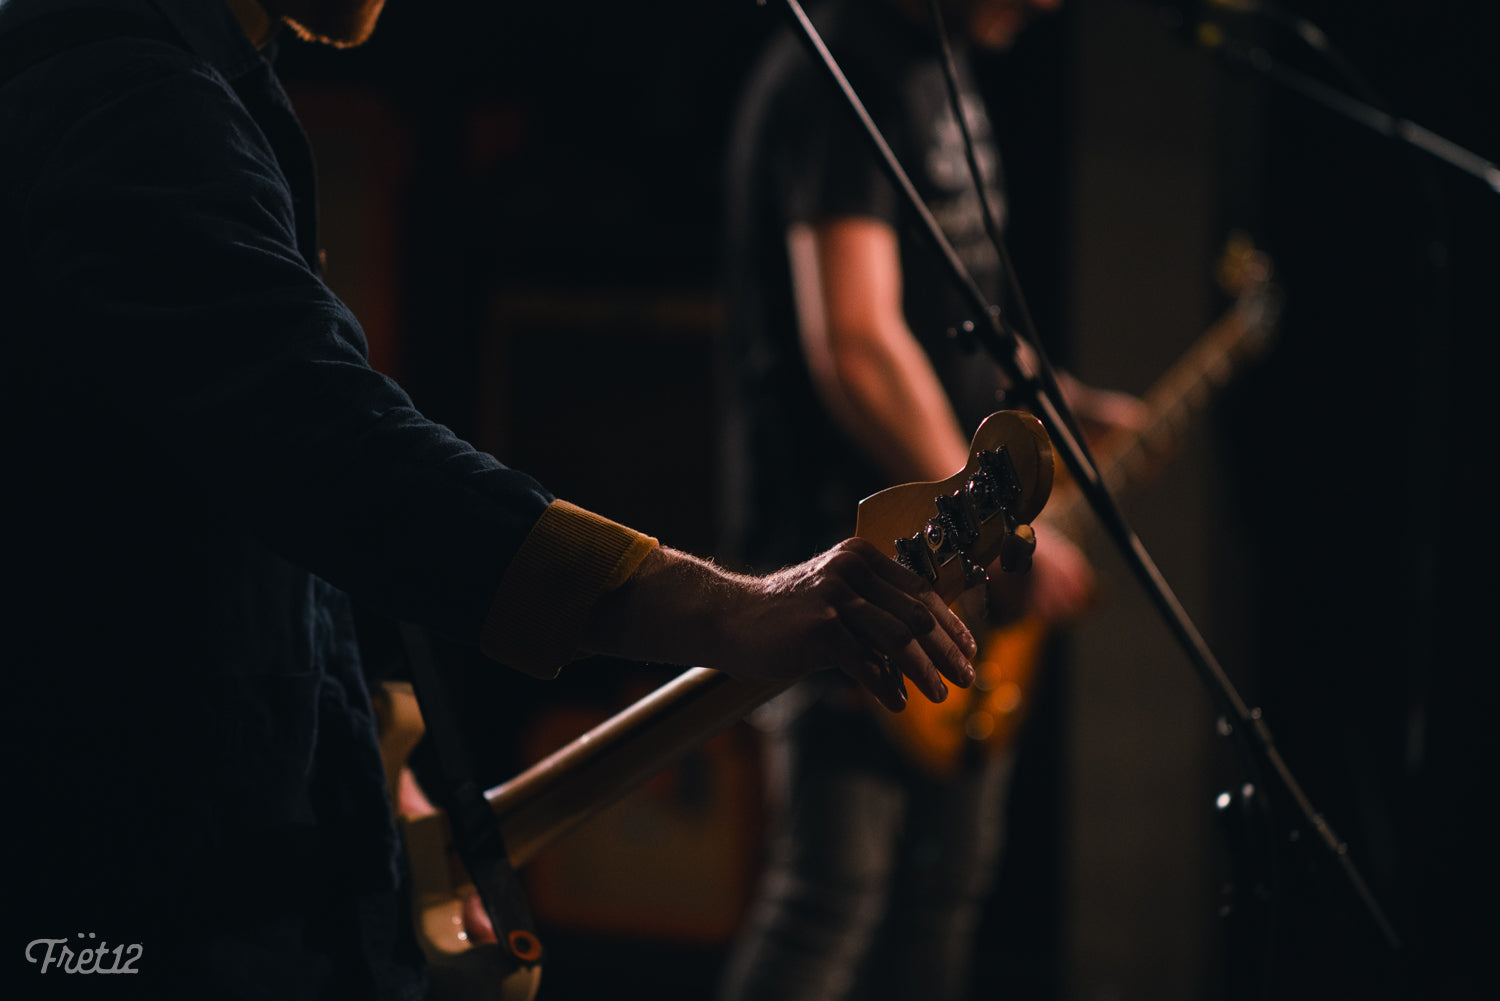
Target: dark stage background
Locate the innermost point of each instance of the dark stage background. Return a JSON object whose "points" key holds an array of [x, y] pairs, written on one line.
{"points": [[522, 204]]}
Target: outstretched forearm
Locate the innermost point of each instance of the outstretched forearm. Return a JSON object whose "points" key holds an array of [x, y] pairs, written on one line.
{"points": [[669, 610]]}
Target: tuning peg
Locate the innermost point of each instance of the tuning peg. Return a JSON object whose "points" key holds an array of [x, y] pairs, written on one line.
{"points": [[1017, 549], [914, 554], [956, 512]]}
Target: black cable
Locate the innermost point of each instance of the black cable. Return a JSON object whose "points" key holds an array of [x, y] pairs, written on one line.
{"points": [[1365, 110], [1314, 37], [1256, 802], [991, 225], [1250, 797], [1004, 343]]}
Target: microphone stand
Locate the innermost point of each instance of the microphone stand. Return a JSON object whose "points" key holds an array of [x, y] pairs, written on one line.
{"points": [[1212, 35], [1034, 381]]}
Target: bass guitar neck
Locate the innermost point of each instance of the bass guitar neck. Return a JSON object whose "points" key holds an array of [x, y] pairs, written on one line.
{"points": [[939, 530]]}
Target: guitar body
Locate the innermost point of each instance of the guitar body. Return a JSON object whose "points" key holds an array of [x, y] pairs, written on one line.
{"points": [[941, 737], [985, 719], [445, 905]]}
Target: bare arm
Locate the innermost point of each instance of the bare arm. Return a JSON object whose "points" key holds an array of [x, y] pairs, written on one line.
{"points": [[876, 380], [867, 365]]}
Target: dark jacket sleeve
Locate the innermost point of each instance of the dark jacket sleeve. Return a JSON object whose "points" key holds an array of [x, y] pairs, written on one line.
{"points": [[160, 235]]}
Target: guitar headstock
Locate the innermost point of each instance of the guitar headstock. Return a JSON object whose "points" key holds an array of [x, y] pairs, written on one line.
{"points": [[1242, 268], [949, 531], [1244, 274]]}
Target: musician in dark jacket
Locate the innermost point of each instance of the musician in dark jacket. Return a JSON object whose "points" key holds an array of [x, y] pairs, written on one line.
{"points": [[203, 470]]}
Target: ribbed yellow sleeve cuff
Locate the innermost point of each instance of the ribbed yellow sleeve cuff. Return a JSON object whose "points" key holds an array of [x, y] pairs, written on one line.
{"points": [[571, 558]]}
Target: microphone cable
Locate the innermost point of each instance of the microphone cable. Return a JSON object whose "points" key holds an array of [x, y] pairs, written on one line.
{"points": [[1250, 797]]}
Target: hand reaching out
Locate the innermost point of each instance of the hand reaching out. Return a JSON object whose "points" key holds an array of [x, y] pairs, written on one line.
{"points": [[855, 609], [851, 609]]}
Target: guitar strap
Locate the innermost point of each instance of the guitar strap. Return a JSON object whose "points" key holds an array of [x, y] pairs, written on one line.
{"points": [[476, 834]]}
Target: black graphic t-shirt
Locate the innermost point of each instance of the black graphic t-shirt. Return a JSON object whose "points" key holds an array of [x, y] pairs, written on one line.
{"points": [[799, 155]]}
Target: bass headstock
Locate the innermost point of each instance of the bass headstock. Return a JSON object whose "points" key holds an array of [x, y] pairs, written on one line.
{"points": [[951, 530]]}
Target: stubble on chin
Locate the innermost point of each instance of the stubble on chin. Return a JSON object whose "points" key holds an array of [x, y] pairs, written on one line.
{"points": [[339, 23]]}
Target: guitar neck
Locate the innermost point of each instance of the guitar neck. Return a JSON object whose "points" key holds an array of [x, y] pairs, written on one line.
{"points": [[1173, 404], [551, 797], [1004, 485]]}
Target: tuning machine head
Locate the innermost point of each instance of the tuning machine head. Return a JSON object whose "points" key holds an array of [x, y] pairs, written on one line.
{"points": [[951, 531], [968, 524]]}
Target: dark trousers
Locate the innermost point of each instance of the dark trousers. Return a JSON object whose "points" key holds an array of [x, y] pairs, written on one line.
{"points": [[876, 874]]}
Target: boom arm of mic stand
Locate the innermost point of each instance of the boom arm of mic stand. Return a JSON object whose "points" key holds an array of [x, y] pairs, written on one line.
{"points": [[1383, 123], [1037, 383]]}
